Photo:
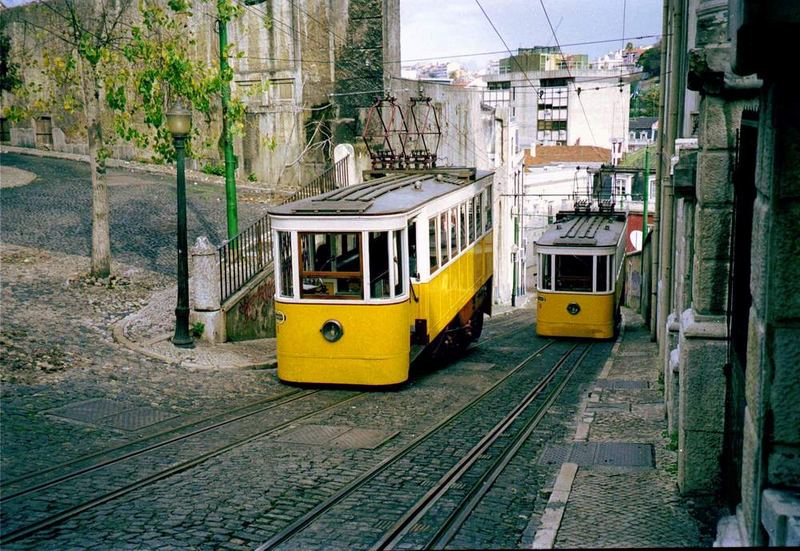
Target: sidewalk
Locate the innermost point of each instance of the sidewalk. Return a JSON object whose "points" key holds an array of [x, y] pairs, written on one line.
{"points": [[149, 331], [603, 506]]}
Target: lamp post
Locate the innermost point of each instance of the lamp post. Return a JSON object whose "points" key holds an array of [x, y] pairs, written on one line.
{"points": [[179, 123]]}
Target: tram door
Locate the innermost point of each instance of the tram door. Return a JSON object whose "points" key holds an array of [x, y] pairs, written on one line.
{"points": [[739, 301]]}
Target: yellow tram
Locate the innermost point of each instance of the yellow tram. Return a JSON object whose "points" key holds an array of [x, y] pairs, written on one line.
{"points": [[370, 275], [581, 259]]}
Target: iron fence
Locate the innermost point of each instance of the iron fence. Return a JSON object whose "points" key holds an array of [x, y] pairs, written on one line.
{"points": [[249, 252]]}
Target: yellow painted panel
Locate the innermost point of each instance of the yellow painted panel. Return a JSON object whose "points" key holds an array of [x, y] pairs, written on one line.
{"points": [[373, 350], [441, 298], [594, 320]]}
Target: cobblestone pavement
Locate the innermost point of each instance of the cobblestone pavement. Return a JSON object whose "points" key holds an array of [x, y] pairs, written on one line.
{"points": [[53, 212], [623, 507], [58, 357]]}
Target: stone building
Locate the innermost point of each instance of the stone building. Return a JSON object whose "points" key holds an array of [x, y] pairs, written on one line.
{"points": [[726, 314], [303, 70]]}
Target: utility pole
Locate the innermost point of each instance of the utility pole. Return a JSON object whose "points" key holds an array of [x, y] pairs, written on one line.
{"points": [[227, 139], [645, 192]]}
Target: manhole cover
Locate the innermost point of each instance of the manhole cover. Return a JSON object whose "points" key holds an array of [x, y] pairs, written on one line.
{"points": [[91, 410], [623, 454], [138, 418], [312, 434], [474, 366], [608, 454], [338, 436], [619, 384]]}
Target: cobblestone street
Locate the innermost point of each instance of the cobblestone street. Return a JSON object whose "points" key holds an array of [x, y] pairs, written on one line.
{"points": [[129, 452]]}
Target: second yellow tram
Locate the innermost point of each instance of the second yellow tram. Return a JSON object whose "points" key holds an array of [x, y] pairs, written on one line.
{"points": [[581, 260]]}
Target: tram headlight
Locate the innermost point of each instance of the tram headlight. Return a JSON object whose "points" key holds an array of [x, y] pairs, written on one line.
{"points": [[573, 308], [332, 330]]}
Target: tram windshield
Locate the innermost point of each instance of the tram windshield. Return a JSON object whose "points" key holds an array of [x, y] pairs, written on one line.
{"points": [[331, 265], [574, 273]]}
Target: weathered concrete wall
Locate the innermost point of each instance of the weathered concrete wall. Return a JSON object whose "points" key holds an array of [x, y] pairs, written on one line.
{"points": [[251, 313], [468, 131], [287, 58], [633, 280]]}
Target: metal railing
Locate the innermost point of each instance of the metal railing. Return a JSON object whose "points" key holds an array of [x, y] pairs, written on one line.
{"points": [[242, 257]]}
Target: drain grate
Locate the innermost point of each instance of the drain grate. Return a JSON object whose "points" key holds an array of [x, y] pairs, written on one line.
{"points": [[112, 413], [138, 418], [91, 410], [337, 436], [619, 384], [607, 454]]}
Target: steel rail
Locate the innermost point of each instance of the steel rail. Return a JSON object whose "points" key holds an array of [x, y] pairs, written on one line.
{"points": [[108, 451], [301, 522], [459, 514], [53, 520]]}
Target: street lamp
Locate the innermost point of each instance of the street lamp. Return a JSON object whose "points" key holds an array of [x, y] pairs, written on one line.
{"points": [[179, 123]]}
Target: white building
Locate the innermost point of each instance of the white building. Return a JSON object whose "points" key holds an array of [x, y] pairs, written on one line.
{"points": [[576, 107]]}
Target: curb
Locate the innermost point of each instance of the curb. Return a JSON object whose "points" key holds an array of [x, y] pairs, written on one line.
{"points": [[545, 536], [118, 332], [135, 166]]}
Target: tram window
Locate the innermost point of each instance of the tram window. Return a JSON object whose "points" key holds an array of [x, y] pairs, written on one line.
{"points": [[487, 204], [453, 232], [397, 262], [471, 208], [463, 210], [574, 273], [478, 216], [331, 265], [443, 236], [602, 274], [379, 264], [412, 250], [432, 245], [285, 261], [545, 269]]}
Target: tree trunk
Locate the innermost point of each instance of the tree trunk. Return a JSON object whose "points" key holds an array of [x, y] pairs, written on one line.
{"points": [[101, 241]]}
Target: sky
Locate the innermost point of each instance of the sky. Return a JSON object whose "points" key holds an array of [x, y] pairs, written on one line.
{"points": [[448, 29]]}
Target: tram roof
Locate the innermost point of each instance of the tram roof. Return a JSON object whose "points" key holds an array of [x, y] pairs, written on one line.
{"points": [[592, 229], [392, 194]]}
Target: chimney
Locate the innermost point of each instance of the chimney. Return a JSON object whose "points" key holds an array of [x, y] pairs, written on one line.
{"points": [[533, 149]]}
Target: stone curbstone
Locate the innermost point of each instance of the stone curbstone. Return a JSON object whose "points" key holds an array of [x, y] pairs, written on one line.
{"points": [[118, 332]]}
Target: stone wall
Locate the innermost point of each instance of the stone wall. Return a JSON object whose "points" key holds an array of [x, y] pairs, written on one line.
{"points": [[288, 59]]}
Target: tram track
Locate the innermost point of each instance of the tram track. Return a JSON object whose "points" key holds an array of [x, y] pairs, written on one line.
{"points": [[51, 520], [469, 500], [296, 528], [274, 401]]}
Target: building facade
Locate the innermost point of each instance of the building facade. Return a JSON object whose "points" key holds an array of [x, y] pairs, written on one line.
{"points": [[726, 314], [565, 107], [303, 70]]}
